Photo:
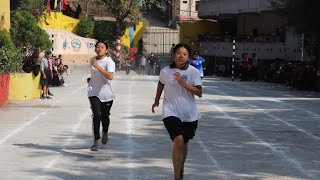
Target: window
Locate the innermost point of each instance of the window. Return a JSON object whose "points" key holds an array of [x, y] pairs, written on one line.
{"points": [[185, 2]]}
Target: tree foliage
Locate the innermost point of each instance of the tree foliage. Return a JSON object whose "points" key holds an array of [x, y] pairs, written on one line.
{"points": [[85, 27], [26, 34], [105, 31], [301, 14], [5, 39], [124, 10], [35, 7], [11, 60]]}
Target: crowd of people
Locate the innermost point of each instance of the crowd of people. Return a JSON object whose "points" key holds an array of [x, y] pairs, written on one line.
{"points": [[294, 74], [143, 65], [50, 67], [261, 38]]}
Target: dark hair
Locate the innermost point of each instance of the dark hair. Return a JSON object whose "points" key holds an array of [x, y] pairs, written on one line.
{"points": [[99, 41], [182, 45], [195, 53], [48, 52]]}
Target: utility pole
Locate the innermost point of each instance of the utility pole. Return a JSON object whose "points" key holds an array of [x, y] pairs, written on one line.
{"points": [[190, 6], [302, 47], [233, 54]]}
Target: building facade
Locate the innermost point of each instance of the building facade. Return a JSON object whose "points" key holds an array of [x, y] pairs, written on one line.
{"points": [[254, 25]]}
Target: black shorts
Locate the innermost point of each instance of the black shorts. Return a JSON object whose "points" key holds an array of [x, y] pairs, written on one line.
{"points": [[143, 67], [176, 127], [45, 82]]}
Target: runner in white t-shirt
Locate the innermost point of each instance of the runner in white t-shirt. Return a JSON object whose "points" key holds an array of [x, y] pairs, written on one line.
{"points": [[179, 82], [100, 92]]}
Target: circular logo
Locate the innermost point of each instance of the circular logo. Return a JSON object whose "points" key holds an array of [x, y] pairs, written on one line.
{"points": [[76, 44]]}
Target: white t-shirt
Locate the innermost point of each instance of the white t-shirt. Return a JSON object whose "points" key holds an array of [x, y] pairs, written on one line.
{"points": [[99, 85], [178, 101]]}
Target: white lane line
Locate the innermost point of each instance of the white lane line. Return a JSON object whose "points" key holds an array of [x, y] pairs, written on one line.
{"points": [[78, 89], [55, 160], [268, 114], [129, 123], [293, 162], [280, 100], [4, 139], [214, 162], [24, 125]]}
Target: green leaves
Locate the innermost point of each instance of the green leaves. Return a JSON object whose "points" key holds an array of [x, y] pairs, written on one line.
{"points": [[35, 7], [301, 14], [5, 40], [85, 27], [26, 34], [10, 60]]}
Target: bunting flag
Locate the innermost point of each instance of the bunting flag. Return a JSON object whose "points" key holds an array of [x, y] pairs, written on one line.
{"points": [[55, 4], [64, 4], [48, 8]]}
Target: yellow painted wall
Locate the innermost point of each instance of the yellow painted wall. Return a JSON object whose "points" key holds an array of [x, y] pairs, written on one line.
{"points": [[5, 11], [59, 21], [138, 33], [189, 31], [23, 87]]}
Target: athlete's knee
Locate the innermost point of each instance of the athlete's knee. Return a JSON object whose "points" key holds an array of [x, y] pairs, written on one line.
{"points": [[96, 117], [179, 141]]}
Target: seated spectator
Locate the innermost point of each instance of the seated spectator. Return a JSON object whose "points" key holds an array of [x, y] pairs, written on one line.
{"points": [[55, 78]]}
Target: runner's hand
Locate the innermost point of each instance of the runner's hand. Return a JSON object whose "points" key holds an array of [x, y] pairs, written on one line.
{"points": [[155, 104], [95, 64], [177, 76]]}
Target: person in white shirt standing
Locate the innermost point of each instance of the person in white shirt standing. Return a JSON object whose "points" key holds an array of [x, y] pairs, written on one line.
{"points": [[100, 92], [179, 82]]}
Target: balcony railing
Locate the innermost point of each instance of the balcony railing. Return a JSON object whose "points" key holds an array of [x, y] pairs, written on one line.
{"points": [[265, 50], [217, 7]]}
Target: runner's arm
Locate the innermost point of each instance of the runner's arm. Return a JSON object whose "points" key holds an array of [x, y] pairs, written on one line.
{"points": [[158, 95], [107, 74]]}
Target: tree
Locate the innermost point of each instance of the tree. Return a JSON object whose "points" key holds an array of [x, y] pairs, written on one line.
{"points": [[26, 34], [85, 27], [128, 11], [35, 7], [5, 39], [303, 15]]}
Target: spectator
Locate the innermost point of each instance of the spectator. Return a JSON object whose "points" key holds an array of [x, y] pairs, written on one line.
{"points": [[254, 66], [60, 60], [78, 11], [128, 65], [46, 72], [151, 61], [143, 65], [158, 65], [197, 61]]}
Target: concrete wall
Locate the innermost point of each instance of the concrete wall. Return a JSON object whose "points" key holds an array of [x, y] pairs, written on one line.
{"points": [[266, 51], [23, 87], [74, 49], [4, 88], [5, 12]]}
